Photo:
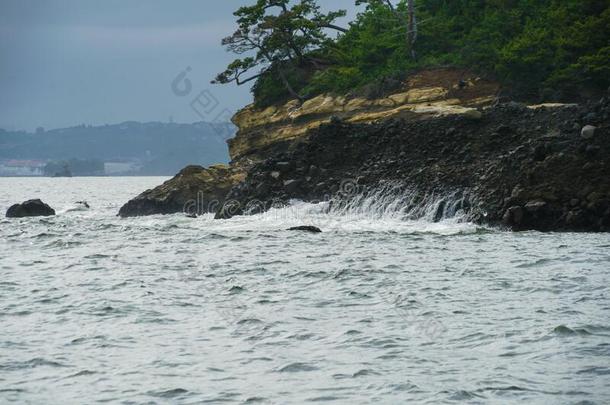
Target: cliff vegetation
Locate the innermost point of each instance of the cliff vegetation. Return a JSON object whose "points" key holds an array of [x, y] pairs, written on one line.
{"points": [[539, 50]]}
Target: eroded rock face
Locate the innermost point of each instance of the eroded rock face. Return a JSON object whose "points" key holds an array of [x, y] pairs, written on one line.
{"points": [[306, 228], [437, 93], [527, 168], [512, 165], [30, 208], [279, 129], [195, 190]]}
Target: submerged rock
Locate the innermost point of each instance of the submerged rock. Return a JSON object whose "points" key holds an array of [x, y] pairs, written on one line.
{"points": [[195, 190], [311, 229], [30, 208], [79, 206]]}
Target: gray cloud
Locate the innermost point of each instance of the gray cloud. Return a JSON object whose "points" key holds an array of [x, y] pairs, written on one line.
{"points": [[67, 62]]}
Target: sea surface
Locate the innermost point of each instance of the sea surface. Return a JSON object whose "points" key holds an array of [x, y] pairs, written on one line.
{"points": [[377, 309]]}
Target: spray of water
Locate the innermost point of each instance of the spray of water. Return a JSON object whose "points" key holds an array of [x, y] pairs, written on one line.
{"points": [[386, 208], [397, 202]]}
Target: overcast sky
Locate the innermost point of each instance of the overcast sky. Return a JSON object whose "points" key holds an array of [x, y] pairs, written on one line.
{"points": [[72, 62]]}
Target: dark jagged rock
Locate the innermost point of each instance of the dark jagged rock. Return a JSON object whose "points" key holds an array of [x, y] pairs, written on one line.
{"points": [[311, 229], [195, 190], [513, 216], [524, 166], [528, 168], [30, 208]]}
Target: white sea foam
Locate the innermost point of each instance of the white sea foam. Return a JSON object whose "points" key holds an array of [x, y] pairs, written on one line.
{"points": [[381, 211]]}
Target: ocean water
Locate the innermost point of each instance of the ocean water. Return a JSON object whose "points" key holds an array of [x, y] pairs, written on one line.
{"points": [[377, 309]]}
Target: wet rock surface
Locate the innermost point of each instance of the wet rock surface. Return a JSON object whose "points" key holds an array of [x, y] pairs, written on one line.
{"points": [[30, 208], [527, 168], [305, 228], [195, 190]]}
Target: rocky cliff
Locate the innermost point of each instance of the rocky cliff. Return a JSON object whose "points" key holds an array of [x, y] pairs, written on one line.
{"points": [[263, 133], [436, 93], [194, 190], [525, 167], [541, 167]]}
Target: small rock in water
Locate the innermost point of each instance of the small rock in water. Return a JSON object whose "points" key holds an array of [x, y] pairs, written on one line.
{"points": [[311, 229], [79, 206], [30, 208], [588, 132]]}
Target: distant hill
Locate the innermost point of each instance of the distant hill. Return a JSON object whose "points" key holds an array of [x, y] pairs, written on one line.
{"points": [[141, 148]]}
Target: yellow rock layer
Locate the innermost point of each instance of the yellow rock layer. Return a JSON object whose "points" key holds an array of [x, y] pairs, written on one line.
{"points": [[261, 128]]}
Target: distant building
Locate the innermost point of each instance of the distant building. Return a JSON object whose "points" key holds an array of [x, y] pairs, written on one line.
{"points": [[17, 168]]}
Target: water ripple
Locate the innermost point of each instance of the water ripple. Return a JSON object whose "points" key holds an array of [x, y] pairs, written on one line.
{"points": [[378, 308]]}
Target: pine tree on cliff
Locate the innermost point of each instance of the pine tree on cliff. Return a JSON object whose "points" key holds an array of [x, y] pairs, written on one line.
{"points": [[402, 13], [275, 36]]}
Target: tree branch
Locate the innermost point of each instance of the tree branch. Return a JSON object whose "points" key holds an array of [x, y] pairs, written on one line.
{"points": [[240, 82], [334, 27]]}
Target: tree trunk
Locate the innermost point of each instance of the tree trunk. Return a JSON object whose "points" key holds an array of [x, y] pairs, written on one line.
{"points": [[282, 75], [287, 84], [412, 27]]}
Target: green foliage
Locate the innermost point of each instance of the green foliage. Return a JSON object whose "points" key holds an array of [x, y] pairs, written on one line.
{"points": [[269, 90], [533, 47], [339, 79], [277, 35]]}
